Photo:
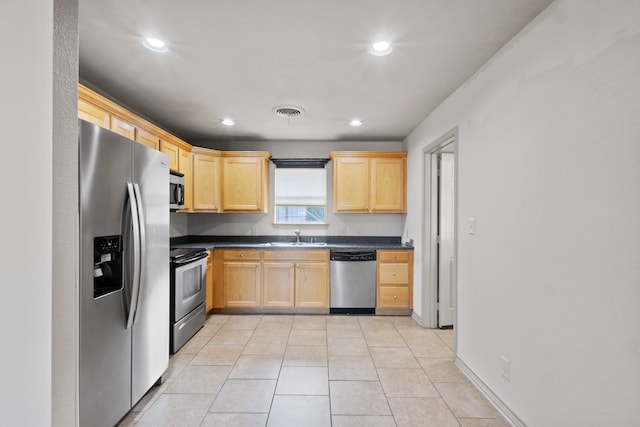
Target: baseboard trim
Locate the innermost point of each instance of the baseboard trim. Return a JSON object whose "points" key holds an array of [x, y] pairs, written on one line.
{"points": [[506, 412], [417, 318]]}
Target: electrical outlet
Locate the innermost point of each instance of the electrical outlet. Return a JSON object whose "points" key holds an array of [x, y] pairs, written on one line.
{"points": [[472, 226], [505, 368]]}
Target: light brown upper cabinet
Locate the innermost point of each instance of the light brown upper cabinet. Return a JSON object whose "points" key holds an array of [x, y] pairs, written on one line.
{"points": [[96, 108], [215, 181], [229, 181], [123, 127], [369, 182], [93, 114], [148, 139], [206, 180], [185, 167], [172, 151], [245, 181], [179, 153]]}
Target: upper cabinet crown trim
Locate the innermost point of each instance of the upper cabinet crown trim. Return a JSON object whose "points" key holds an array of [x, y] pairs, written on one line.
{"points": [[368, 154]]}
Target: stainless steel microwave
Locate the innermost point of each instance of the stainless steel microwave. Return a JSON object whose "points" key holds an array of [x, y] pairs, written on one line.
{"points": [[176, 191]]}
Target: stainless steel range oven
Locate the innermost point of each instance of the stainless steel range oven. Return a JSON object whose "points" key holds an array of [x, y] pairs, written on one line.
{"points": [[188, 284]]}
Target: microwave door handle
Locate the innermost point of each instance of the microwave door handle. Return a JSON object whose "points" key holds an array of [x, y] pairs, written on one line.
{"points": [[180, 198], [176, 194], [143, 248], [135, 226]]}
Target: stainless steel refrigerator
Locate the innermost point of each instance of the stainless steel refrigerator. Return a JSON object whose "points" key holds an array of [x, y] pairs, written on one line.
{"points": [[124, 273]]}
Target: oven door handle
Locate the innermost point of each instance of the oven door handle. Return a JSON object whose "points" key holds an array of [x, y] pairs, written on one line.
{"points": [[135, 281]]}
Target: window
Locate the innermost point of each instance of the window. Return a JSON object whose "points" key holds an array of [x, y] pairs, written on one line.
{"points": [[300, 196]]}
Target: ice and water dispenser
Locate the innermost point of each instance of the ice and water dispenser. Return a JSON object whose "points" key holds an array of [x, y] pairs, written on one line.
{"points": [[107, 265]]}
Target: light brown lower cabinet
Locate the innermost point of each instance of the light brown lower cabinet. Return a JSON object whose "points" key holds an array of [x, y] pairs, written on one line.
{"points": [[394, 281], [271, 280], [278, 284], [209, 290], [241, 272], [312, 285]]}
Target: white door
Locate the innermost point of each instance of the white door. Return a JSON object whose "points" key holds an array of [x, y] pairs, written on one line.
{"points": [[446, 260]]}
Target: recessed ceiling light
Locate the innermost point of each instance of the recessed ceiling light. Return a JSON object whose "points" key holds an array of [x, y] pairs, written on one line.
{"points": [[228, 122], [154, 44], [380, 48], [355, 122]]}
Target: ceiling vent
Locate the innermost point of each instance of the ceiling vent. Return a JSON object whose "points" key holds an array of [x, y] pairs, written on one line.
{"points": [[288, 111]]}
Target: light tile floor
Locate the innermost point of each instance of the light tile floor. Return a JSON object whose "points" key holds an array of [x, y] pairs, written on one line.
{"points": [[341, 371]]}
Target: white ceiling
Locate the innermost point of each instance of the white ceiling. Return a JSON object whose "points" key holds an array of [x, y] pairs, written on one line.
{"points": [[240, 58]]}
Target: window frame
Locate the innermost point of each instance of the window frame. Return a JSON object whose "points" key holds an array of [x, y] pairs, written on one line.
{"points": [[324, 206]]}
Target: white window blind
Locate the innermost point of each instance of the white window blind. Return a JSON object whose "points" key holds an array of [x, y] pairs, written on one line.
{"points": [[301, 187]]}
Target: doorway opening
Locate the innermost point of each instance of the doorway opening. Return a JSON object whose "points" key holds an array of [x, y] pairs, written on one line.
{"points": [[439, 296]]}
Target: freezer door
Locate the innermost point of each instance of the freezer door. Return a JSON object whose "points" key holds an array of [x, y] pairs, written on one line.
{"points": [[105, 343], [150, 352]]}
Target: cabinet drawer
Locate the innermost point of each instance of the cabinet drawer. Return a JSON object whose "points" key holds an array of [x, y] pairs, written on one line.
{"points": [[394, 297], [242, 255], [295, 255], [394, 274], [393, 256]]}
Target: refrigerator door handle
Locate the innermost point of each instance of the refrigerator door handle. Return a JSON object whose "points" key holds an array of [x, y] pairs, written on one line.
{"points": [[143, 248], [135, 225]]}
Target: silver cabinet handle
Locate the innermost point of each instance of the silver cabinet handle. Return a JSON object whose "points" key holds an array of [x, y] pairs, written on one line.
{"points": [[395, 297]]}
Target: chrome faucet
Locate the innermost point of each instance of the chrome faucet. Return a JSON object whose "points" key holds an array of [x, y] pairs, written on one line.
{"points": [[297, 235]]}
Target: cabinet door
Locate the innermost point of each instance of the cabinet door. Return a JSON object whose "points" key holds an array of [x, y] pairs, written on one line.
{"points": [[172, 151], [242, 184], [89, 112], [206, 182], [350, 184], [242, 283], [148, 139], [388, 185], [185, 168], [312, 284], [277, 284], [123, 127], [209, 291]]}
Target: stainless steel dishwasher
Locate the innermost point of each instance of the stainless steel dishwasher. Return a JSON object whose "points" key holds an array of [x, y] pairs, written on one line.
{"points": [[353, 282]]}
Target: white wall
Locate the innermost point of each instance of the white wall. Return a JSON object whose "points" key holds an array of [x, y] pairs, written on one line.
{"points": [[549, 155], [262, 224], [26, 49]]}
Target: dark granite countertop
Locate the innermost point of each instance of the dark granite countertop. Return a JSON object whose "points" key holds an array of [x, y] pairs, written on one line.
{"points": [[286, 242]]}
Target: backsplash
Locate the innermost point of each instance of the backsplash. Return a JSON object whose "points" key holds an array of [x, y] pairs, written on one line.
{"points": [[262, 225], [179, 224]]}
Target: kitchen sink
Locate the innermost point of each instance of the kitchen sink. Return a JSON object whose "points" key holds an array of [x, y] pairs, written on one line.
{"points": [[297, 244]]}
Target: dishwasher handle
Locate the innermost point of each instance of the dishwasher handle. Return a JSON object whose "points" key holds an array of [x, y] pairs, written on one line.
{"points": [[352, 256]]}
